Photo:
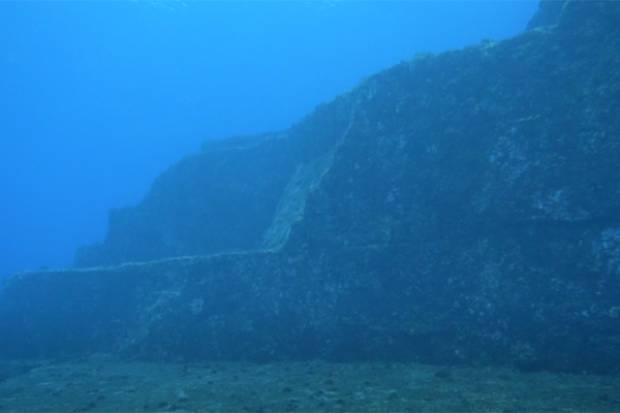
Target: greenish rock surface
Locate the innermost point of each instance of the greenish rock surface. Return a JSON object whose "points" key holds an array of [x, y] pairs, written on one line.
{"points": [[457, 208]]}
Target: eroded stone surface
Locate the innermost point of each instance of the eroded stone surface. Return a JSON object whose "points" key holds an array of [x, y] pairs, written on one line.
{"points": [[458, 208]]}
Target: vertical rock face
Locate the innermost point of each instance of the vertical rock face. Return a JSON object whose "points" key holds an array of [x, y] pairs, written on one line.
{"points": [[521, 133], [463, 207], [232, 196], [548, 14]]}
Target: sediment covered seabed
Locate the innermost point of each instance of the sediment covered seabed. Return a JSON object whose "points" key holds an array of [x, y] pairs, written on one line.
{"points": [[104, 384]]}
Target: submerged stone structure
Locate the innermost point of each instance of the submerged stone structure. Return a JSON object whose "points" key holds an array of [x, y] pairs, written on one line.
{"points": [[456, 208]]}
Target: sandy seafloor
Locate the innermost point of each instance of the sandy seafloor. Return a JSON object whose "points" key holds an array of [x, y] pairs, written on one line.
{"points": [[105, 384]]}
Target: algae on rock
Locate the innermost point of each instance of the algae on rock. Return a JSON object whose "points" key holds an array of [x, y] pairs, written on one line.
{"points": [[458, 208]]}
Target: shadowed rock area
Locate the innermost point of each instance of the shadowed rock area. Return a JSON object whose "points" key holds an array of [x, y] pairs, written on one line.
{"points": [[457, 208]]}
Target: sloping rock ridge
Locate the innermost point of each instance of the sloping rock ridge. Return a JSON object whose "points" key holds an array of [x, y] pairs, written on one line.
{"points": [[458, 208]]}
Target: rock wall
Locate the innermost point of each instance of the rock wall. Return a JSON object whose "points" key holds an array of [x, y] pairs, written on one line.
{"points": [[227, 198], [458, 208]]}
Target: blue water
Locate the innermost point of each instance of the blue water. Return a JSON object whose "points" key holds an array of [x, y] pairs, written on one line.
{"points": [[97, 98]]}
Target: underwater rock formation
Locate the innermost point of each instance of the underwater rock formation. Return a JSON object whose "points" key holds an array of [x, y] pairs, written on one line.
{"points": [[457, 208], [548, 14], [227, 198]]}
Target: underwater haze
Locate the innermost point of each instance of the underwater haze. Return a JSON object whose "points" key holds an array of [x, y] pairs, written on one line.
{"points": [[327, 206], [98, 98]]}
